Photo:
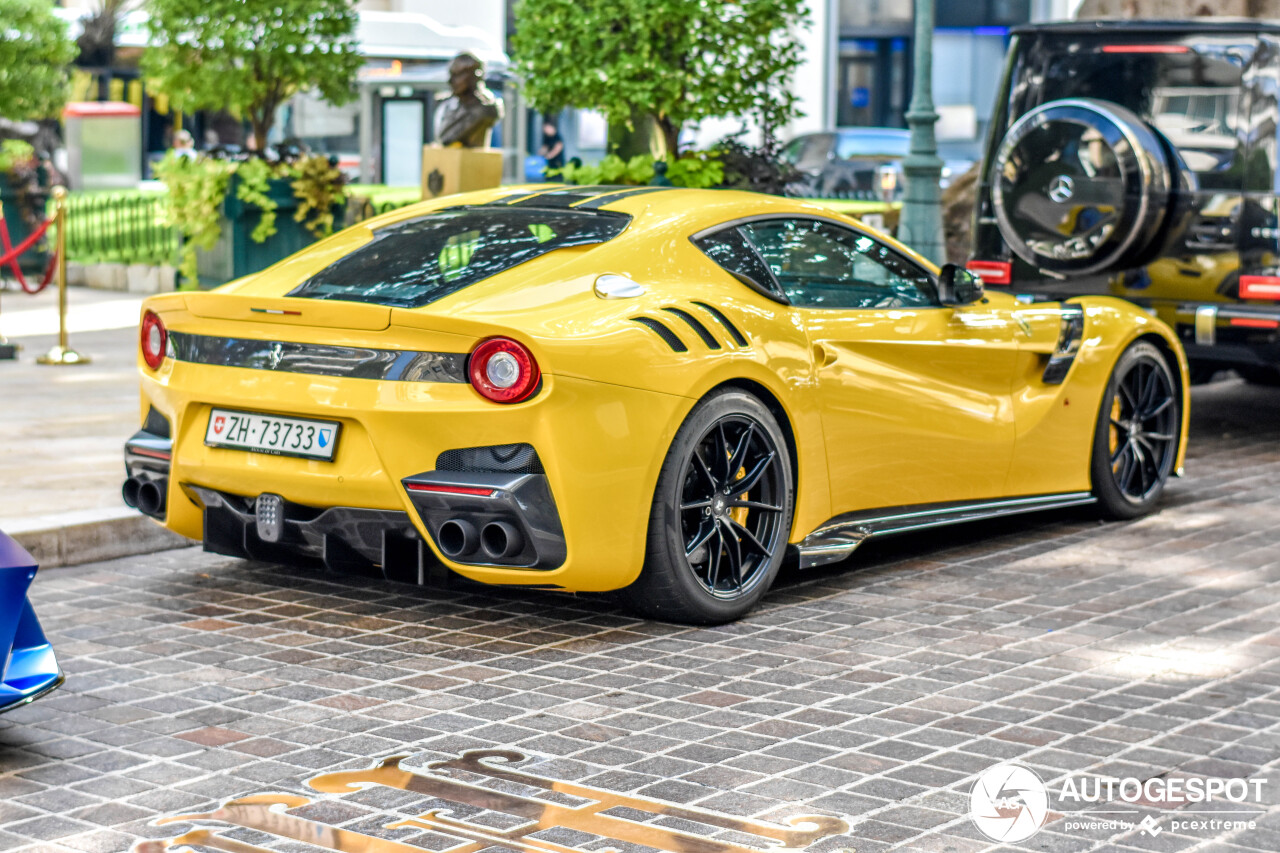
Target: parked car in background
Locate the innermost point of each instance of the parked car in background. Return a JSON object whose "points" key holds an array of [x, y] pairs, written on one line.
{"points": [[28, 668], [856, 163], [1139, 159]]}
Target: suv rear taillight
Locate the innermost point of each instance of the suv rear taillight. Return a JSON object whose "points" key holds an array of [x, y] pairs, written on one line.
{"points": [[1260, 287], [153, 339], [503, 370], [992, 272]]}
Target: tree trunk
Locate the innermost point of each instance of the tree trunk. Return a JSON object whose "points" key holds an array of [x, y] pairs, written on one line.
{"points": [[628, 140], [261, 128], [670, 136]]}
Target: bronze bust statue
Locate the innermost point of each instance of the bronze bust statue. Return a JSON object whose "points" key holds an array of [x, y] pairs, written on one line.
{"points": [[470, 113]]}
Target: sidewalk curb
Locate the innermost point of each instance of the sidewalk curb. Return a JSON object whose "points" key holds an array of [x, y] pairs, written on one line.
{"points": [[88, 536]]}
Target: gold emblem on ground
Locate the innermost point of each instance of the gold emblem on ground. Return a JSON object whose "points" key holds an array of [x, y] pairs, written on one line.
{"points": [[497, 807]]}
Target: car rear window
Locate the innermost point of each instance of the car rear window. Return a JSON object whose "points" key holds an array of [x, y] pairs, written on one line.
{"points": [[1192, 96], [414, 263]]}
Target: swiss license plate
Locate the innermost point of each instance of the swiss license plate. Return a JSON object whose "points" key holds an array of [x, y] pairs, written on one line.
{"points": [[272, 434]]}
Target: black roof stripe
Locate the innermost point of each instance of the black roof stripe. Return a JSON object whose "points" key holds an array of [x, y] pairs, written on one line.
{"points": [[609, 198], [562, 198]]}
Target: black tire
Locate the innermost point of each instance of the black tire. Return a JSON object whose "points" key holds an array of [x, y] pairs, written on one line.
{"points": [[1136, 439], [1268, 376], [713, 552], [1083, 186]]}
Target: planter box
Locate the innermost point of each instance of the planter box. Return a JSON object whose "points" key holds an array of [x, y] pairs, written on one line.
{"points": [[35, 259], [236, 254]]}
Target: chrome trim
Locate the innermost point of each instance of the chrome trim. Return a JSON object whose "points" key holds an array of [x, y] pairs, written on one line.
{"points": [[320, 359], [1248, 312], [841, 536], [1207, 325]]}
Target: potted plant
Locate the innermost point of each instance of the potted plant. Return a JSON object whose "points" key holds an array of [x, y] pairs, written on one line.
{"points": [[240, 216]]}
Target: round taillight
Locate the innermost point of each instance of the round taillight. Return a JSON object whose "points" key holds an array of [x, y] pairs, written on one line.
{"points": [[503, 371], [153, 340]]}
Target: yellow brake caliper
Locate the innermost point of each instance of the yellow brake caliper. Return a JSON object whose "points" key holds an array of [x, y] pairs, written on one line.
{"points": [[1114, 442]]}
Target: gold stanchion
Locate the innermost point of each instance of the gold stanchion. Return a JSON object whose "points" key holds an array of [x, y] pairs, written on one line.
{"points": [[62, 353]]}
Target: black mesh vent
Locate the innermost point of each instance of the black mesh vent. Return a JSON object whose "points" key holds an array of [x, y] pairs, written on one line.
{"points": [[697, 327], [724, 321], [672, 340], [495, 459], [156, 424]]}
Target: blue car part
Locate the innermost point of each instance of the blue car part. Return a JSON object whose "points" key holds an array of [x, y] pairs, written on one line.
{"points": [[28, 668]]}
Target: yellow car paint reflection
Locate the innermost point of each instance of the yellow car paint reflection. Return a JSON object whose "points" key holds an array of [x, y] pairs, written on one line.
{"points": [[885, 406]]}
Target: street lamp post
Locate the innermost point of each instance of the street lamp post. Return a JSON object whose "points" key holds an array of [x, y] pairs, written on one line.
{"points": [[921, 223]]}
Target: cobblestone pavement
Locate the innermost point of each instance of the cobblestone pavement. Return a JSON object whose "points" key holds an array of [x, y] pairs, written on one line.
{"points": [[873, 692]]}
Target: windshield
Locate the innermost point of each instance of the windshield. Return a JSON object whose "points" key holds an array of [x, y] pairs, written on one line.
{"points": [[414, 263]]}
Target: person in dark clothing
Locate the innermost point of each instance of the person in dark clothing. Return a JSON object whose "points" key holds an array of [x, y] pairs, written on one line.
{"points": [[552, 145]]}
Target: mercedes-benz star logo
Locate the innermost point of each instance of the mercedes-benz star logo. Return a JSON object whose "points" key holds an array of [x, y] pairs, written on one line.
{"points": [[1009, 803], [1062, 188]]}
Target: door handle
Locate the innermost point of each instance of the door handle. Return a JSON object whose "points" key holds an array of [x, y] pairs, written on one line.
{"points": [[823, 356]]}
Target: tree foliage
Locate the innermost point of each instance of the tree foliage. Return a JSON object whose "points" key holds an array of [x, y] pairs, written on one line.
{"points": [[250, 56], [677, 60], [35, 51]]}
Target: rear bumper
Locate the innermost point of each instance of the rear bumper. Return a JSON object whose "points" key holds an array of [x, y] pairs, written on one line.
{"points": [[601, 446], [1229, 333]]}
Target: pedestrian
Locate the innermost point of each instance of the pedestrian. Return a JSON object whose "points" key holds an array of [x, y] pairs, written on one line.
{"points": [[184, 145], [552, 148]]}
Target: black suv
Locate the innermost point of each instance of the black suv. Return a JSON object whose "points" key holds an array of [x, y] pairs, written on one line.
{"points": [[1139, 159]]}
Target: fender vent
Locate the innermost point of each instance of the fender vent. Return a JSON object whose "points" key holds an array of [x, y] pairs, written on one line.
{"points": [[663, 332], [724, 321], [701, 330]]}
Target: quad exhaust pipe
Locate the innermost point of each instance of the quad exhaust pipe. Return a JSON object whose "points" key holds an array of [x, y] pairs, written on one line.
{"points": [[498, 540], [146, 496], [457, 537]]}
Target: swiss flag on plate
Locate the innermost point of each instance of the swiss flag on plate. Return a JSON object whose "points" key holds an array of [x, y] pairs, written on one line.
{"points": [[219, 423]]}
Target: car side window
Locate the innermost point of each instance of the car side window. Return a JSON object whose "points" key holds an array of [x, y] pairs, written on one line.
{"points": [[730, 249], [821, 265]]}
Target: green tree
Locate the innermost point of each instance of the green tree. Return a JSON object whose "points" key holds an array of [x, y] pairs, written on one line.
{"points": [[250, 56], [677, 61], [35, 51]]}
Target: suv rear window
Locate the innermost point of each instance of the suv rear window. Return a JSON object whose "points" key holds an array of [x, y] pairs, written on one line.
{"points": [[1191, 96], [414, 263]]}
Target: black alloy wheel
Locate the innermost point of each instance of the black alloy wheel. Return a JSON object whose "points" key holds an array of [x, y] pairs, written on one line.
{"points": [[1139, 426], [721, 516]]}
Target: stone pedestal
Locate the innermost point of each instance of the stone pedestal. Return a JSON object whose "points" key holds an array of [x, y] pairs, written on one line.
{"points": [[458, 170]]}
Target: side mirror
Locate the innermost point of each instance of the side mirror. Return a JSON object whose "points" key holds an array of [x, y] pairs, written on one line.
{"points": [[958, 286]]}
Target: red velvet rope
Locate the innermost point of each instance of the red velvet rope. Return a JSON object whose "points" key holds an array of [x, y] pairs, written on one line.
{"points": [[11, 254]]}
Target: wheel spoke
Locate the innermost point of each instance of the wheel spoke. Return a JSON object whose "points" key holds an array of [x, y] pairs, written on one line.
{"points": [[740, 452], [1158, 436], [1120, 425], [753, 476], [700, 538], [722, 454], [1142, 469], [733, 550], [1115, 457], [749, 538], [1168, 401], [701, 465], [695, 505], [760, 505], [1124, 392], [713, 563]]}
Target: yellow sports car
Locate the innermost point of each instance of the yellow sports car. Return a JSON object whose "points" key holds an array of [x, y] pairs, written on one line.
{"points": [[661, 391]]}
